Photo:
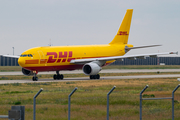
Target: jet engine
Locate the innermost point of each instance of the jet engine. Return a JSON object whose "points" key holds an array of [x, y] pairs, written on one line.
{"points": [[91, 68], [27, 72]]}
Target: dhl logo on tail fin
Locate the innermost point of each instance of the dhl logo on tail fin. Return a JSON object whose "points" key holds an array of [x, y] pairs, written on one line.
{"points": [[122, 33]]}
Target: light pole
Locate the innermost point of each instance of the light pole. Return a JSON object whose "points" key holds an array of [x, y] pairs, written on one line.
{"points": [[13, 50]]}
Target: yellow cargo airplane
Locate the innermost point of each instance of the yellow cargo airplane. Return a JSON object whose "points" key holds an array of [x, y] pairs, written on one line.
{"points": [[89, 58]]}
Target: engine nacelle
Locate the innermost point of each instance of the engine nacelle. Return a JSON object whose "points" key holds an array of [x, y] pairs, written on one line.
{"points": [[27, 72], [91, 68]]}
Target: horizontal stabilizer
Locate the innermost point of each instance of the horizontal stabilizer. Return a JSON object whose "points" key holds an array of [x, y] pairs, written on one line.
{"points": [[129, 48]]}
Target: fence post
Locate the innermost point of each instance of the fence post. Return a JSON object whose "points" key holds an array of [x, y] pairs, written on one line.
{"points": [[108, 101], [173, 101], [69, 103], [140, 112], [34, 109]]}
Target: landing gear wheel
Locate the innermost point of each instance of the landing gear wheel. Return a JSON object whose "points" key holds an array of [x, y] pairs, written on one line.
{"points": [[54, 76], [58, 76], [94, 76], [61, 76], [35, 78], [97, 76]]}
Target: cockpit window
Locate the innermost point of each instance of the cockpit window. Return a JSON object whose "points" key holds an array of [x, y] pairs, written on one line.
{"points": [[26, 55], [29, 55]]}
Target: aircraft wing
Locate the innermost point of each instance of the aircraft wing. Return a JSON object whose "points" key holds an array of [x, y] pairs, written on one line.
{"points": [[11, 56], [133, 57]]}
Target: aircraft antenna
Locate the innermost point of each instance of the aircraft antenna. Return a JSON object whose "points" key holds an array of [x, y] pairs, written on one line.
{"points": [[13, 50], [50, 43]]}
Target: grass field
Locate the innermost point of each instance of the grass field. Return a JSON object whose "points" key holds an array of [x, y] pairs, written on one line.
{"points": [[10, 68], [18, 68], [89, 101]]}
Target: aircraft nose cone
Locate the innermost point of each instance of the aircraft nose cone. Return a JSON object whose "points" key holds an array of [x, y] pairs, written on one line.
{"points": [[21, 62]]}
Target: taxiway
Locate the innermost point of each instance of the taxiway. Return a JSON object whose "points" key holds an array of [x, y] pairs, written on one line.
{"points": [[87, 78], [102, 71]]}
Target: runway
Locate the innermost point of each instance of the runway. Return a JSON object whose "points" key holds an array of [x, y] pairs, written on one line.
{"points": [[87, 78], [102, 71]]}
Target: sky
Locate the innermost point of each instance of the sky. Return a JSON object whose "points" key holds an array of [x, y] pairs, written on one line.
{"points": [[25, 24]]}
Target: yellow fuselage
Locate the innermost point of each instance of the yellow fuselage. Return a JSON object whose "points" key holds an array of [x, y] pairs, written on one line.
{"points": [[55, 58]]}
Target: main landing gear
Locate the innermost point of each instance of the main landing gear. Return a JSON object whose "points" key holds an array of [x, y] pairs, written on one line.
{"points": [[35, 78], [58, 76], [94, 76]]}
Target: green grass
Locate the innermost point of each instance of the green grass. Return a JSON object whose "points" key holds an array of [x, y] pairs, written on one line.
{"points": [[10, 68], [89, 101]]}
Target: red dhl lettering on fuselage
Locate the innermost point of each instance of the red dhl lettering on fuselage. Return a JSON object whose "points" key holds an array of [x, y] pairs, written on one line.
{"points": [[122, 33], [55, 57]]}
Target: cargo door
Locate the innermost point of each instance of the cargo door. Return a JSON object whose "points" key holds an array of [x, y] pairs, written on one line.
{"points": [[42, 57]]}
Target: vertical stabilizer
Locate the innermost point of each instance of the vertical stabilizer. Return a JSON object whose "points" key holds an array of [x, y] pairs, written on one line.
{"points": [[123, 32]]}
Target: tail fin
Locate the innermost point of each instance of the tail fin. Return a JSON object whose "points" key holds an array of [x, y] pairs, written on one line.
{"points": [[123, 32]]}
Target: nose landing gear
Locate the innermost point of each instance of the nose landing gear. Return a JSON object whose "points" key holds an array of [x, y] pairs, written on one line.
{"points": [[35, 78]]}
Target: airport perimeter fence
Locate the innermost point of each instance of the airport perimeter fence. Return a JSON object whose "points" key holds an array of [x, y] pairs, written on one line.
{"points": [[94, 99], [172, 98]]}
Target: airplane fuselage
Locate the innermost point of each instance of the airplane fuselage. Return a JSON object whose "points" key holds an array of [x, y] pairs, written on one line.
{"points": [[56, 58]]}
